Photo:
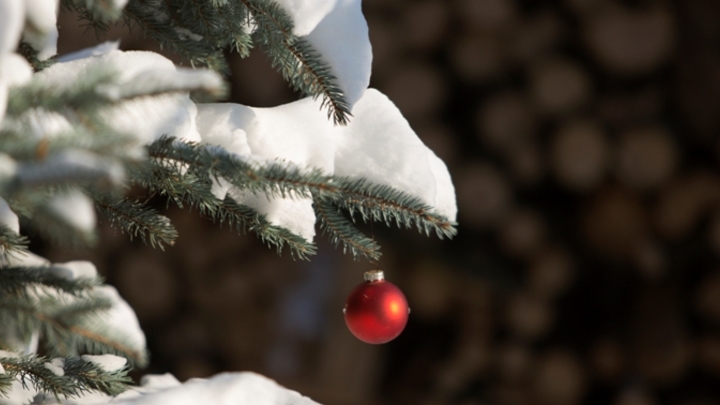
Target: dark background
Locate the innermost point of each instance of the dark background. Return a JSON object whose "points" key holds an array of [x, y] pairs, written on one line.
{"points": [[582, 137]]}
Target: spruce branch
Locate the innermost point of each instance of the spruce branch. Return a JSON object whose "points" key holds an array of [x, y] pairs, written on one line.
{"points": [[98, 13], [192, 187], [296, 59], [6, 381], [94, 377], [69, 328], [373, 201], [91, 19], [157, 82], [223, 21], [136, 219], [243, 217], [383, 203], [31, 55], [179, 185], [11, 242], [340, 230], [78, 376], [53, 219], [76, 323], [34, 183], [161, 21], [14, 141], [82, 95], [16, 280], [275, 179], [102, 87], [95, 342], [32, 372], [54, 226]]}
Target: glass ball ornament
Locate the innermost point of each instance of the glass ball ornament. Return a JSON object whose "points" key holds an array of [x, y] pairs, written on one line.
{"points": [[376, 311]]}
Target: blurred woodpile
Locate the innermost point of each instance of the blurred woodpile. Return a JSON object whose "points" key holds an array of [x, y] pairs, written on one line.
{"points": [[582, 136]]}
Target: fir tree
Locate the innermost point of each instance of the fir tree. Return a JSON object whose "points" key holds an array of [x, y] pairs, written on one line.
{"points": [[77, 130]]}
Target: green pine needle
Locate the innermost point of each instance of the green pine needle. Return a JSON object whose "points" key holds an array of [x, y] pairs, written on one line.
{"points": [[68, 328], [137, 220], [372, 201], [79, 376], [192, 187], [244, 217], [171, 25], [340, 230], [11, 242], [296, 59], [6, 382], [16, 280]]}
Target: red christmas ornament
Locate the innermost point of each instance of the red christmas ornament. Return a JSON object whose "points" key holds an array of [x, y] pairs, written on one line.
{"points": [[376, 311]]}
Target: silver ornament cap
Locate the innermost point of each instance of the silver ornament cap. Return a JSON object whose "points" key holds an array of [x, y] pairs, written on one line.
{"points": [[374, 275]]}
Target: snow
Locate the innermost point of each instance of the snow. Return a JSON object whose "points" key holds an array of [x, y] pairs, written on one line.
{"points": [[118, 4], [121, 318], [378, 144], [41, 14], [14, 70], [239, 388], [126, 64], [293, 133], [74, 270], [445, 200], [146, 118], [3, 99], [343, 41], [97, 50], [224, 125], [306, 14], [41, 31], [184, 33], [72, 164], [8, 217], [57, 366], [158, 381], [18, 394], [150, 118], [18, 346], [45, 123], [286, 133], [338, 30], [75, 208], [5, 354], [27, 259], [12, 14], [31, 345], [294, 214], [107, 362], [223, 389], [158, 81], [8, 167]]}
